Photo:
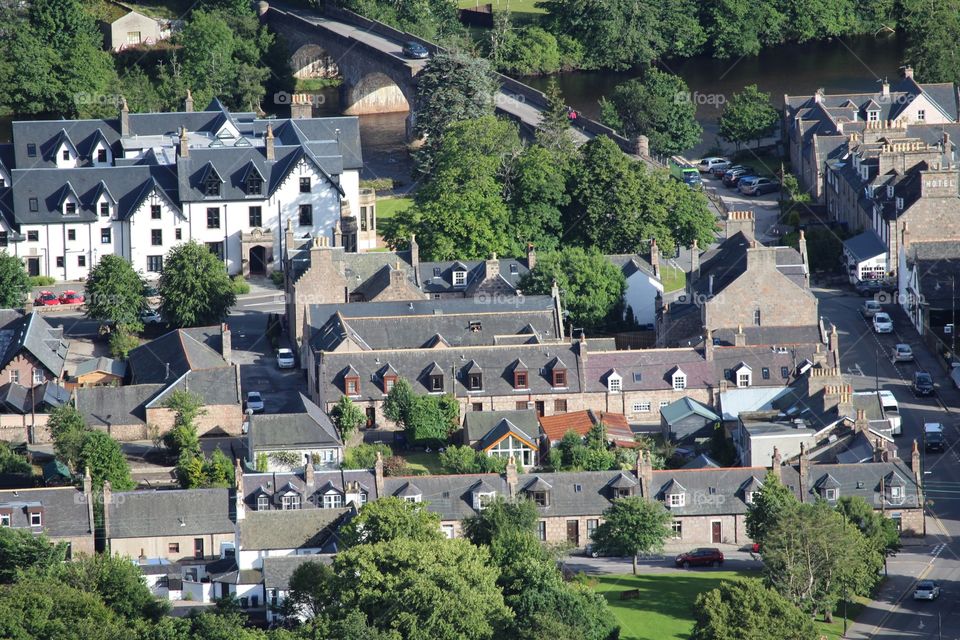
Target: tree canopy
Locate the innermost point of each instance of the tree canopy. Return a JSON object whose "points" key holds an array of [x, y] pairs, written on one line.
{"points": [[114, 292], [195, 289], [389, 519], [632, 526], [771, 503], [14, 283], [748, 116], [749, 610], [426, 419], [102, 455]]}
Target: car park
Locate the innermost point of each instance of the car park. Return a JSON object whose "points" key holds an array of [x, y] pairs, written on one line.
{"points": [[709, 165], [882, 323], [732, 178], [415, 51], [902, 353], [933, 437], [719, 172], [46, 299], [254, 402], [702, 557], [870, 308], [923, 383], [759, 186], [71, 297], [926, 590], [285, 359]]}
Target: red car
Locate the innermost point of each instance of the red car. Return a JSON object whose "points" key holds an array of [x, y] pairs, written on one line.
{"points": [[46, 299], [71, 297], [703, 557]]}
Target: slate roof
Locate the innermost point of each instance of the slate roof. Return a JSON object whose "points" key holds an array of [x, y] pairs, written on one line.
{"points": [[107, 406], [182, 512], [449, 496], [702, 461], [477, 424], [684, 407], [267, 484], [102, 365], [862, 480], [728, 261], [310, 429], [501, 430], [357, 268], [437, 277], [33, 334], [278, 570], [168, 357], [865, 246], [217, 386], [64, 510], [290, 529], [937, 265]]}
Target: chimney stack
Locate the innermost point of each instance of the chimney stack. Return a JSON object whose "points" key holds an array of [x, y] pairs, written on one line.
{"points": [[655, 257], [269, 143], [740, 338], [226, 343], [184, 143], [491, 268], [107, 501], [531, 256], [88, 496], [905, 238], [645, 474], [239, 493], [861, 424], [804, 470], [885, 88], [513, 480], [415, 255], [908, 72], [777, 464], [694, 262], [188, 103], [878, 453], [124, 117], [308, 476], [708, 346], [834, 344], [378, 475]]}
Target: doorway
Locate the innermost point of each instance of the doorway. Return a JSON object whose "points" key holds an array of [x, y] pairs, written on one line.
{"points": [[371, 417], [258, 261], [573, 532], [33, 267], [716, 532]]}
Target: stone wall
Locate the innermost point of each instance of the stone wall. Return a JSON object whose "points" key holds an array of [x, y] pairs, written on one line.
{"points": [[218, 419], [22, 367]]}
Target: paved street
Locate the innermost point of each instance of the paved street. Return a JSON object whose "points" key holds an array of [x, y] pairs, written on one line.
{"points": [[866, 361]]}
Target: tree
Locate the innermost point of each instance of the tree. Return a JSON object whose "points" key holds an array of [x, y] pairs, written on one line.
{"points": [[537, 195], [658, 106], [311, 588], [69, 433], [389, 519], [11, 461], [114, 292], [527, 51], [429, 19], [740, 27], [880, 531], [117, 581], [748, 116], [632, 526], [771, 503], [432, 419], [102, 455], [21, 550], [364, 456], [590, 285], [748, 610], [38, 608], [187, 407], [14, 283], [499, 518], [452, 87], [933, 29], [466, 459], [348, 417], [439, 590], [399, 403], [195, 289], [554, 132]]}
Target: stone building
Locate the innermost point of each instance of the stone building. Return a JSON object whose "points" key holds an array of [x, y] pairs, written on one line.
{"points": [[64, 514], [31, 351]]}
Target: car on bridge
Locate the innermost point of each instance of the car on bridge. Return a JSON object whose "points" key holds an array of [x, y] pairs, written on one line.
{"points": [[926, 590], [415, 51]]}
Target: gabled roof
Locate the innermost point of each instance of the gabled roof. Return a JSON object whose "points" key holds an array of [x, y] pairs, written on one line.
{"points": [[827, 481], [503, 429], [308, 430], [173, 354], [64, 510], [554, 427], [622, 481], [186, 512], [538, 484], [33, 334], [671, 487], [409, 490], [685, 407], [290, 529], [101, 365], [484, 425]]}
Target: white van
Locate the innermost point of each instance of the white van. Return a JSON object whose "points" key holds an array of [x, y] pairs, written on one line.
{"points": [[891, 411]]}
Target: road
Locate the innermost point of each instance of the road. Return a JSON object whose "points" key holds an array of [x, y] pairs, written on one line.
{"points": [[865, 359]]}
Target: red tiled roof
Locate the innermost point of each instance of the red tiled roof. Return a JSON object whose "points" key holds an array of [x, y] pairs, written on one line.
{"points": [[580, 422]]}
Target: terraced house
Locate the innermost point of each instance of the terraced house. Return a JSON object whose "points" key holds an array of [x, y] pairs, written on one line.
{"points": [[139, 184]]}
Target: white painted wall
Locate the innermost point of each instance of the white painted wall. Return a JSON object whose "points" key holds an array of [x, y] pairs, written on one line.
{"points": [[641, 295]]}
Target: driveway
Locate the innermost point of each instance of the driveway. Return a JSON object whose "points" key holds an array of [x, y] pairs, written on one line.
{"points": [[280, 388], [766, 207]]}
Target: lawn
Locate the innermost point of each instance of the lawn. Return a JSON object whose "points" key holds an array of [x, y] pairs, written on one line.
{"points": [[515, 6], [673, 278], [423, 463], [664, 610], [388, 207]]}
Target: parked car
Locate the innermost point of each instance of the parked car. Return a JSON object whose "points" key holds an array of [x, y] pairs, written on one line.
{"points": [[882, 323], [46, 299], [870, 308], [254, 402], [150, 316], [415, 50], [732, 178], [719, 172], [922, 383], [708, 165], [285, 359], [703, 557], [902, 353], [873, 287], [926, 590], [151, 294], [759, 187], [71, 297]]}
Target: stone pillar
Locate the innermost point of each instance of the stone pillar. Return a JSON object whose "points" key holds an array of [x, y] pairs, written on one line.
{"points": [[777, 464], [226, 349], [378, 475], [300, 109], [188, 103], [655, 257], [739, 338], [124, 117], [708, 346], [641, 146], [268, 145], [513, 480], [531, 256], [694, 262], [184, 148]]}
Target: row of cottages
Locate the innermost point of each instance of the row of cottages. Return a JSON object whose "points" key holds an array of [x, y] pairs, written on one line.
{"points": [[319, 271], [142, 183], [63, 514], [198, 360]]}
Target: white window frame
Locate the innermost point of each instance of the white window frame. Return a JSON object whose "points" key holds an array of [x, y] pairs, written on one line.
{"points": [[413, 499], [290, 502], [263, 503], [481, 500], [831, 495], [873, 116], [614, 383], [36, 519], [921, 115], [896, 493], [4, 519], [459, 278], [743, 379], [679, 381], [38, 377], [750, 496], [676, 530], [332, 500], [677, 499], [641, 406]]}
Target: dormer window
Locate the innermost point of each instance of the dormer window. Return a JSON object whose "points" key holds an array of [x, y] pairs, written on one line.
{"points": [[873, 116], [332, 500], [830, 494], [36, 516], [436, 383], [104, 209], [459, 278], [351, 385], [65, 154], [101, 155], [290, 502], [263, 503], [482, 499], [5, 515], [559, 377], [69, 208], [677, 499], [889, 190], [475, 381], [388, 382], [622, 492], [614, 383], [899, 204], [744, 376], [749, 496], [520, 379], [413, 499], [540, 498], [211, 187], [254, 185], [679, 380]]}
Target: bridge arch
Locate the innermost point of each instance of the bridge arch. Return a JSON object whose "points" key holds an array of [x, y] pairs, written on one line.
{"points": [[312, 61], [375, 92]]}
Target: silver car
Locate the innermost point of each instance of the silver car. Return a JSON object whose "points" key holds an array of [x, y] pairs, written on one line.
{"points": [[871, 308], [882, 323], [926, 590], [254, 402], [285, 359], [902, 353]]}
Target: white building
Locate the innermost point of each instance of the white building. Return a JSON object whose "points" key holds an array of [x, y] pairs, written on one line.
{"points": [[140, 184]]}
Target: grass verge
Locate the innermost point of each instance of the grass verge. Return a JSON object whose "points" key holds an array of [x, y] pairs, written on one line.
{"points": [[673, 279], [423, 463], [388, 207]]}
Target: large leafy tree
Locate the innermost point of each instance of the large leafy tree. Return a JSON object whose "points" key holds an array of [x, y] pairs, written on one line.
{"points": [[632, 526], [933, 30], [424, 419], [348, 417], [13, 462], [117, 581], [537, 194], [749, 610], [748, 116], [69, 433], [424, 590], [14, 284], [22, 551], [311, 588], [590, 285], [114, 292], [880, 531], [39, 608], [430, 19], [389, 519], [499, 518], [103, 456], [770, 504], [658, 106], [194, 287], [554, 132], [742, 27]]}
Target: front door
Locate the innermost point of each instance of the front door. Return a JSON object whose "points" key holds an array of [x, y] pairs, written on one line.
{"points": [[33, 267], [371, 417], [258, 260], [539, 406], [573, 532], [198, 547], [716, 532]]}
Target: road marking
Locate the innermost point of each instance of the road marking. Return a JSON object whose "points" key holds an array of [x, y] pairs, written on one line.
{"points": [[937, 550], [264, 304], [896, 604]]}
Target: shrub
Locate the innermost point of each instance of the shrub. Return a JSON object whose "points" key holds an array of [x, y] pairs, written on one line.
{"points": [[377, 184], [276, 277], [239, 285], [364, 456], [41, 281], [122, 342], [395, 466], [262, 465]]}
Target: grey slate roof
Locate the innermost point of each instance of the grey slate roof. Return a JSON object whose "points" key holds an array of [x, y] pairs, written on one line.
{"points": [[64, 510], [449, 496], [267, 484], [310, 429], [106, 406], [182, 512], [862, 480], [865, 246], [291, 529], [105, 365], [684, 407], [728, 261], [477, 424], [277, 571], [33, 334], [168, 357]]}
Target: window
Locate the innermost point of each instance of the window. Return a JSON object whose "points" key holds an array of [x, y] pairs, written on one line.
{"points": [[448, 531], [156, 237], [521, 405], [784, 372], [476, 326], [60, 262], [896, 493], [476, 406], [155, 263], [542, 530], [459, 278], [36, 519], [105, 235], [4, 519], [559, 406], [413, 499], [475, 381], [178, 234], [513, 268], [212, 187], [65, 154], [481, 500], [290, 502], [559, 377], [306, 215], [363, 218], [641, 407], [101, 155], [332, 501], [263, 503], [679, 381], [873, 116], [70, 208], [921, 115], [765, 373], [540, 498], [213, 218], [173, 547], [743, 379], [104, 209], [677, 499], [749, 495], [577, 488], [436, 272], [756, 317], [155, 212], [254, 185], [3, 238], [15, 376], [352, 386], [38, 376], [71, 234], [676, 528], [81, 260], [31, 150], [830, 494], [133, 37], [592, 525], [388, 382], [33, 204], [664, 403], [436, 383], [520, 380], [305, 185], [614, 383], [256, 217]]}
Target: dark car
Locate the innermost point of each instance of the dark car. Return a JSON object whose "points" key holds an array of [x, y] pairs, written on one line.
{"points": [[732, 178], [872, 287], [415, 50], [704, 557], [720, 171], [934, 441], [922, 383]]}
